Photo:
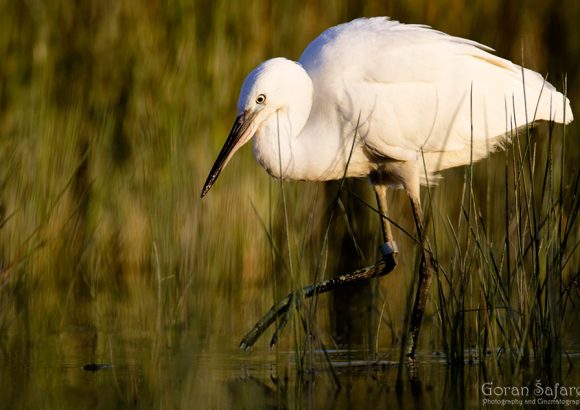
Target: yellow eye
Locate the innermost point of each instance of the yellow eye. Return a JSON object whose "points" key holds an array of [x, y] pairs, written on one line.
{"points": [[261, 99]]}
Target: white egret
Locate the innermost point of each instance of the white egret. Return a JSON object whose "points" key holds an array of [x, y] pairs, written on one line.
{"points": [[389, 101]]}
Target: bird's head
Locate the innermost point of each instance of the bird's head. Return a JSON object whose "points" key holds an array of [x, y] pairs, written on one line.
{"points": [[277, 88]]}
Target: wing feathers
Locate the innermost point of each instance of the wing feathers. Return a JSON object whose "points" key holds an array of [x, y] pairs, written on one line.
{"points": [[424, 90]]}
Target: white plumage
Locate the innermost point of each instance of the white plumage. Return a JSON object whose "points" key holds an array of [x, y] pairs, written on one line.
{"points": [[409, 94], [391, 101]]}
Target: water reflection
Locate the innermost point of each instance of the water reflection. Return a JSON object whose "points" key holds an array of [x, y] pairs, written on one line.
{"points": [[66, 371]]}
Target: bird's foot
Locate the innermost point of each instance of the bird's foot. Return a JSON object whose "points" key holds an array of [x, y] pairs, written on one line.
{"points": [[281, 310]]}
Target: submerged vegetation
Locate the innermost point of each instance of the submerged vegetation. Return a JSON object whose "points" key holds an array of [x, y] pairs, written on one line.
{"points": [[110, 117]]}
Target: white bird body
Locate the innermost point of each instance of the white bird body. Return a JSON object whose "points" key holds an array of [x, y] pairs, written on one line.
{"points": [[397, 102], [390, 101]]}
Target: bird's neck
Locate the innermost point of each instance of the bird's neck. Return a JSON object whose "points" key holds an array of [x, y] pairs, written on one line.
{"points": [[318, 152], [276, 148]]}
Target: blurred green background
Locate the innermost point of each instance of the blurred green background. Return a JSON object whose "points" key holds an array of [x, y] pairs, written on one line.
{"points": [[111, 115]]}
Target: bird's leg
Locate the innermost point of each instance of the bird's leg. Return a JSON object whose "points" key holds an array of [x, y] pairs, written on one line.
{"points": [[381, 268], [425, 277], [281, 308], [389, 248]]}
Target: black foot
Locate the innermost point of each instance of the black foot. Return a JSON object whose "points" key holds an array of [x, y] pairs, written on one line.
{"points": [[281, 309]]}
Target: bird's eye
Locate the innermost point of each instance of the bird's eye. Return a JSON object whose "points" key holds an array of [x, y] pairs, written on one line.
{"points": [[261, 99]]}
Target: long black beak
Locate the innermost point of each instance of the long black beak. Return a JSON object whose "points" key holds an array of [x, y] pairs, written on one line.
{"points": [[241, 125]]}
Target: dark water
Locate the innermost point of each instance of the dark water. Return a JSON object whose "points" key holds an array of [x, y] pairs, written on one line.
{"points": [[91, 369]]}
